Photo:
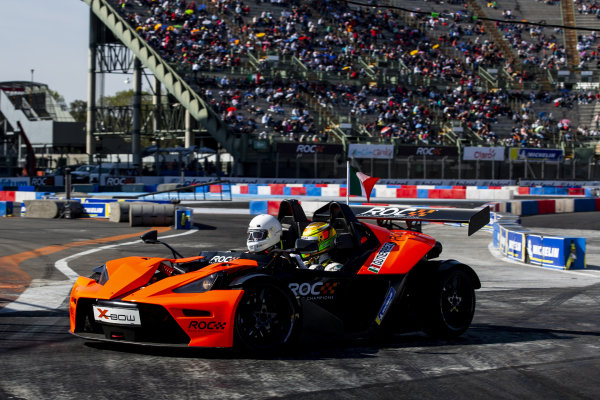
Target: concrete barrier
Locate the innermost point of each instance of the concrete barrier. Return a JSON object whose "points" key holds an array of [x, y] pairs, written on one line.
{"points": [[145, 214], [52, 208]]}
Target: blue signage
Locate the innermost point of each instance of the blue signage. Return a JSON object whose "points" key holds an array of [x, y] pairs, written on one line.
{"points": [[536, 154], [95, 210], [183, 219], [556, 252], [496, 235], [515, 245]]}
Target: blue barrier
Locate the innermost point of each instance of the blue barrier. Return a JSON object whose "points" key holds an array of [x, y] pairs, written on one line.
{"points": [[536, 190], [422, 193], [259, 207], [6, 208], [584, 205], [312, 190], [95, 209], [529, 207], [184, 218], [517, 243], [496, 235], [556, 252]]}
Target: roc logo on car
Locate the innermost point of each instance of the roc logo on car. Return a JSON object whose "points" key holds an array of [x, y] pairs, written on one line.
{"points": [[211, 325]]}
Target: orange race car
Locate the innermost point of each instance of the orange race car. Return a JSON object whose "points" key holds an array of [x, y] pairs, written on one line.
{"points": [[390, 281]]}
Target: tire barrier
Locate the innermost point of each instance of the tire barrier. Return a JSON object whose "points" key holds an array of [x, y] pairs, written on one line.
{"points": [[53, 209], [118, 211], [148, 214], [520, 244]]}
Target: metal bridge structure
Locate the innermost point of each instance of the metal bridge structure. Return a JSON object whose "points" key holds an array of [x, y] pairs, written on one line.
{"points": [[115, 47]]}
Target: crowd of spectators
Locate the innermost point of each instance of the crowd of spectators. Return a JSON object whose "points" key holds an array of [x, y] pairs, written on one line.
{"points": [[331, 36]]}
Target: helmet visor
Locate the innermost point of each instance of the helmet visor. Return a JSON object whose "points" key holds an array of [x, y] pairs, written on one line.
{"points": [[256, 235]]}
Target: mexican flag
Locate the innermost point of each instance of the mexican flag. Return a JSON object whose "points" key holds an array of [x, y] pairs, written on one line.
{"points": [[359, 184], [254, 78]]}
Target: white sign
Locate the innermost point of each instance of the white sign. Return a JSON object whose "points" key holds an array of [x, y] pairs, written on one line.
{"points": [[117, 316], [384, 151], [483, 153]]}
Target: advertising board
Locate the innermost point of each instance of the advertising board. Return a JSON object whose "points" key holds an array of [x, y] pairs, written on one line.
{"points": [[515, 245], [518, 153], [426, 151], [381, 151], [556, 252], [309, 148], [483, 153]]}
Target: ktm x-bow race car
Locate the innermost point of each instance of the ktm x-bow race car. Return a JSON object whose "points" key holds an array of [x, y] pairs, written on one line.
{"points": [[391, 281]]}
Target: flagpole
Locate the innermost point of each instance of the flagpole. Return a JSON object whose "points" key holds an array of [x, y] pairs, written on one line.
{"points": [[347, 182]]}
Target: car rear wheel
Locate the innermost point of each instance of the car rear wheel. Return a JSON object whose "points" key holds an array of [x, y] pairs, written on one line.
{"points": [[267, 318], [452, 305]]}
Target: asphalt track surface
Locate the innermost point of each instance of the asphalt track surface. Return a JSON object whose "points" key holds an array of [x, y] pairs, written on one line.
{"points": [[535, 333]]}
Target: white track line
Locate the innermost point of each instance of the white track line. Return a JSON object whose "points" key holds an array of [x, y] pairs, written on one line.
{"points": [[45, 295]]}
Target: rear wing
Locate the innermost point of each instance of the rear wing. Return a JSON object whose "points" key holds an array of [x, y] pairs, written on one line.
{"points": [[477, 218]]}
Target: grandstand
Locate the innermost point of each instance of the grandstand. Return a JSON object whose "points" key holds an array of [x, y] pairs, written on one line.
{"points": [[256, 75]]}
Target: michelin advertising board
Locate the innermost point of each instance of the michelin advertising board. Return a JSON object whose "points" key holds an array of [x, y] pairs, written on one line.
{"points": [[556, 252]]}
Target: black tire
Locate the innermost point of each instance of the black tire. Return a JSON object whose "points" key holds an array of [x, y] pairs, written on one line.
{"points": [[267, 318], [451, 305]]}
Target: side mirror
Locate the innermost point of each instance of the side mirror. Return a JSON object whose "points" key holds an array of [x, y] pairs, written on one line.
{"points": [[150, 237], [307, 246]]}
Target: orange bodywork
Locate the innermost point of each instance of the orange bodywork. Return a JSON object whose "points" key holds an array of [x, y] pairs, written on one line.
{"points": [[207, 318], [399, 252]]}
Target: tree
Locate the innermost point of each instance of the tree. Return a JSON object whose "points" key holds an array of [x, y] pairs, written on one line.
{"points": [[78, 109], [57, 96], [123, 98]]}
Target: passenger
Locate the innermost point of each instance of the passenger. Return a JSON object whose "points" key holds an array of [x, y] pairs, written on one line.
{"points": [[324, 235], [264, 234]]}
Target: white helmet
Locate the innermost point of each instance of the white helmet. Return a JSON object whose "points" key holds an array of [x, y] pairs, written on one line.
{"points": [[264, 232]]}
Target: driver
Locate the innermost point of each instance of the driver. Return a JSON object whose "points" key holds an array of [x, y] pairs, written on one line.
{"points": [[264, 233], [324, 235]]}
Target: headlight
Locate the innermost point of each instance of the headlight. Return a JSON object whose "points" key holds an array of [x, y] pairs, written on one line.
{"points": [[100, 275], [200, 286]]}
